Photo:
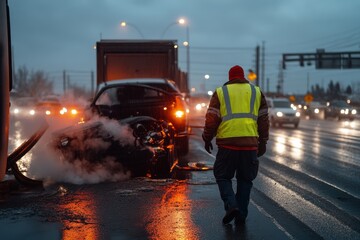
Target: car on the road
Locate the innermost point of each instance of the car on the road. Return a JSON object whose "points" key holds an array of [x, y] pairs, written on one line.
{"points": [[23, 106], [281, 112], [315, 110], [198, 105], [340, 109], [55, 108], [153, 113], [48, 107], [154, 97]]}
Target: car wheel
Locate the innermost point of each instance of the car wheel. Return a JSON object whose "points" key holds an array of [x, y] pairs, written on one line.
{"points": [[165, 164], [161, 169], [182, 145]]}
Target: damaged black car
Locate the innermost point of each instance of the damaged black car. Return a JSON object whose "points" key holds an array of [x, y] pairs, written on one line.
{"points": [[140, 145], [151, 129]]}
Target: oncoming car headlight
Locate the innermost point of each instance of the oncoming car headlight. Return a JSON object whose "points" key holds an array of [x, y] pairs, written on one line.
{"points": [[279, 114], [344, 111], [297, 114], [353, 112], [198, 107], [316, 110]]}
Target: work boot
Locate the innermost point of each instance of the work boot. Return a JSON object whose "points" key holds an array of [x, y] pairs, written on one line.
{"points": [[239, 220], [230, 215]]}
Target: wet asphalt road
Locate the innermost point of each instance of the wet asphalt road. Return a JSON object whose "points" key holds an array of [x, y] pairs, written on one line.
{"points": [[308, 187]]}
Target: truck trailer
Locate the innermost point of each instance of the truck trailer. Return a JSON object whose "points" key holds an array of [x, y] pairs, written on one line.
{"points": [[124, 59]]}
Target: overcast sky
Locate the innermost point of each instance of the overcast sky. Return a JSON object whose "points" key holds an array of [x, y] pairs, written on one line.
{"points": [[54, 35]]}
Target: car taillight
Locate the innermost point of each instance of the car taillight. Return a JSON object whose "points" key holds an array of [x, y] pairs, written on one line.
{"points": [[63, 111], [179, 114], [74, 111], [179, 108], [70, 111]]}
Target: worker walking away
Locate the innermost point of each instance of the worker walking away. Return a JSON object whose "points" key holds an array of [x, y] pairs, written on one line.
{"points": [[238, 117]]}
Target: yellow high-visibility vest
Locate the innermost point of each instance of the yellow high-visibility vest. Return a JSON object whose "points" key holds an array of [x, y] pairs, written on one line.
{"points": [[239, 110]]}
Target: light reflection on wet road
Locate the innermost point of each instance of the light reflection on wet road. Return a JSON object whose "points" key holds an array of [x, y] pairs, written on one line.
{"points": [[308, 187], [82, 220], [172, 216]]}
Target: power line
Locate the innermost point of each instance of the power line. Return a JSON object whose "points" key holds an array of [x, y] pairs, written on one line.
{"points": [[222, 48]]}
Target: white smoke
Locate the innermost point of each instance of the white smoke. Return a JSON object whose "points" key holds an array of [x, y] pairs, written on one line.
{"points": [[122, 133], [51, 166]]}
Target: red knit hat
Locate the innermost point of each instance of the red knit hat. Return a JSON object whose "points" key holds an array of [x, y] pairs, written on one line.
{"points": [[236, 72]]}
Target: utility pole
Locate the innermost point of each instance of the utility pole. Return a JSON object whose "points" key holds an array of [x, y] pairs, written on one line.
{"points": [[257, 65], [263, 66], [68, 81], [64, 81], [280, 85], [308, 82], [188, 53]]}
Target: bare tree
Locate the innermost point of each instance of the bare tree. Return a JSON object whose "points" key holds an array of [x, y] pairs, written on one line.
{"points": [[32, 83]]}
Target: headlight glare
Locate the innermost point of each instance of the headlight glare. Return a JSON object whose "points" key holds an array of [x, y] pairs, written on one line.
{"points": [[279, 114]]}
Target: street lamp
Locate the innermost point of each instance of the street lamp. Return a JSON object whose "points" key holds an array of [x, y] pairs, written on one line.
{"points": [[206, 77], [188, 52], [183, 22], [123, 24]]}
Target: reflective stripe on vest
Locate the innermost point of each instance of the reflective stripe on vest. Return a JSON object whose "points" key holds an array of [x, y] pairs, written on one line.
{"points": [[230, 114], [238, 112]]}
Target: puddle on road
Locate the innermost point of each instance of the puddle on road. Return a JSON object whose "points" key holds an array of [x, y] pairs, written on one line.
{"points": [[182, 175], [131, 192], [194, 166], [201, 182]]}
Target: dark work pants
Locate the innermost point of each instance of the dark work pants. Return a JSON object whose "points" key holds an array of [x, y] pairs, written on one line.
{"points": [[245, 164]]}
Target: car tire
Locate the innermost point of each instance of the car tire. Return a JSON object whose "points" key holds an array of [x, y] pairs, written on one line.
{"points": [[182, 145], [161, 169]]}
